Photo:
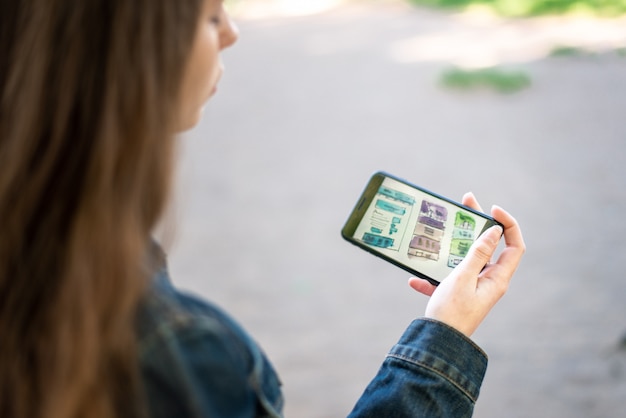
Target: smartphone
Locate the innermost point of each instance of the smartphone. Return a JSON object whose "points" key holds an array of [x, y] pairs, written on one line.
{"points": [[420, 231]]}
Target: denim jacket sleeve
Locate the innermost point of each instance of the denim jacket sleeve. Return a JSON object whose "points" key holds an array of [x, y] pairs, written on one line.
{"points": [[433, 371]]}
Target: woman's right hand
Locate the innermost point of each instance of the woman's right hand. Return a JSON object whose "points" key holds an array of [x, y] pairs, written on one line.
{"points": [[466, 296]]}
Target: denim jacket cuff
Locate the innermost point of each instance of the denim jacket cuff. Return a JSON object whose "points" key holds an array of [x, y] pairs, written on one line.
{"points": [[442, 349]]}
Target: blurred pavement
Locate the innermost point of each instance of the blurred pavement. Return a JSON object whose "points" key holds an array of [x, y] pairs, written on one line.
{"points": [[311, 105]]}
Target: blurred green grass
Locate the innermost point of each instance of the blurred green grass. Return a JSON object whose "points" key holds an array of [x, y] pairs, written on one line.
{"points": [[494, 78], [522, 8]]}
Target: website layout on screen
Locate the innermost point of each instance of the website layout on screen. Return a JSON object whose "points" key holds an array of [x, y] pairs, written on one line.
{"points": [[419, 230]]}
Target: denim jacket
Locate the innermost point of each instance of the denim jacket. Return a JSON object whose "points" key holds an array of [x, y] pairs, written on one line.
{"points": [[197, 362]]}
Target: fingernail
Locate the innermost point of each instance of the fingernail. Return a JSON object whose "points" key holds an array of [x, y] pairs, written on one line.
{"points": [[497, 231]]}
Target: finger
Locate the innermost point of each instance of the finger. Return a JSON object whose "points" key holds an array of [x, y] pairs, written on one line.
{"points": [[422, 286], [469, 200], [512, 231], [480, 252], [514, 241]]}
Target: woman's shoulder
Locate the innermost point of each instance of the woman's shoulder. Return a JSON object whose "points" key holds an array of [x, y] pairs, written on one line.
{"points": [[167, 315], [196, 359]]}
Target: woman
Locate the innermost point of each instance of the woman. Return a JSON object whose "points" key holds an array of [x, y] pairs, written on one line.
{"points": [[92, 95]]}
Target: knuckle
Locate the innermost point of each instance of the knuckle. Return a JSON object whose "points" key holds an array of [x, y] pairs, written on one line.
{"points": [[502, 286], [483, 251], [498, 287]]}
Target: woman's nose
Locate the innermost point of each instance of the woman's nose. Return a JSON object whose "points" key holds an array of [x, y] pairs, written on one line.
{"points": [[230, 33]]}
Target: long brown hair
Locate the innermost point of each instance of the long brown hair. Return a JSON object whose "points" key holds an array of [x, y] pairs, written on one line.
{"points": [[88, 94]]}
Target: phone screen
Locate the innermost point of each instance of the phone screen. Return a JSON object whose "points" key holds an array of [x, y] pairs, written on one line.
{"points": [[420, 231]]}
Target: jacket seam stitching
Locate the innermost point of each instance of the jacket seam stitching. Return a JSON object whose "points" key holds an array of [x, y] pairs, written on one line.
{"points": [[437, 371]]}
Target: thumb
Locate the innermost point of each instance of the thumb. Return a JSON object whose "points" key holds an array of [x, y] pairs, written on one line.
{"points": [[481, 251]]}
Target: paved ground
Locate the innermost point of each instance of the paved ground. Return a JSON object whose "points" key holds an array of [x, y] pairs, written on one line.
{"points": [[310, 106]]}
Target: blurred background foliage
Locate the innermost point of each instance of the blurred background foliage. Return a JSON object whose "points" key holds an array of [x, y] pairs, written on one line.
{"points": [[520, 8], [507, 81], [498, 79]]}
